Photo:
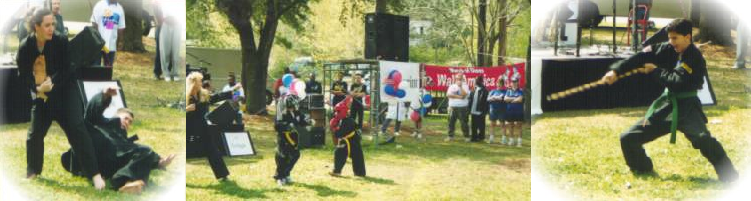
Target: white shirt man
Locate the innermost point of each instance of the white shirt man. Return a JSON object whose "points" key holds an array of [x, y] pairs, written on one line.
{"points": [[109, 17]]}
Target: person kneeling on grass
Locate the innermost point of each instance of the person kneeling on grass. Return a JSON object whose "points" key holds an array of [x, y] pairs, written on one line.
{"points": [[514, 112], [287, 151], [126, 164], [348, 143]]}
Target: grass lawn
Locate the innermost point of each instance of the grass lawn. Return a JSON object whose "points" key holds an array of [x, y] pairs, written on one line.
{"points": [[408, 170], [579, 151], [161, 128]]}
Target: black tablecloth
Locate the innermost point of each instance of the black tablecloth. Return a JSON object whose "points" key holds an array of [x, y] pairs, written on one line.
{"points": [[561, 74], [15, 103]]}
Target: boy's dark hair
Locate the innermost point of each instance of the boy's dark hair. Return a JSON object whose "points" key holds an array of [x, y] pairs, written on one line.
{"points": [[126, 111], [680, 26]]}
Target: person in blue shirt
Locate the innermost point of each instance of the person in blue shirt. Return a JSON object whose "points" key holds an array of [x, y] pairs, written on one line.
{"points": [[514, 111], [497, 110]]}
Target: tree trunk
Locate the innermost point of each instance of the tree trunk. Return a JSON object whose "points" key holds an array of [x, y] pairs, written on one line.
{"points": [[695, 11], [715, 24], [381, 6], [527, 88], [481, 32], [502, 33], [131, 39]]}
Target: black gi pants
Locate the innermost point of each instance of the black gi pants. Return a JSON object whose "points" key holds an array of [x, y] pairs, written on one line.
{"points": [[478, 128], [286, 156], [352, 150], [136, 164], [70, 118], [693, 127], [215, 157]]}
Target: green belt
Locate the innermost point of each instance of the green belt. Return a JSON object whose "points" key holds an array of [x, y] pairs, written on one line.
{"points": [[673, 97]]}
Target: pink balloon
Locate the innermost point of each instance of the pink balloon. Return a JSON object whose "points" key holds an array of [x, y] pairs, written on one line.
{"points": [[397, 77]]}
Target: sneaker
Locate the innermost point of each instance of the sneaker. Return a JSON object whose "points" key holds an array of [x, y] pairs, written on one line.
{"points": [[167, 79], [288, 180], [519, 144], [176, 78], [490, 139], [503, 140], [380, 133], [419, 136], [448, 139], [280, 182], [414, 134], [396, 133]]}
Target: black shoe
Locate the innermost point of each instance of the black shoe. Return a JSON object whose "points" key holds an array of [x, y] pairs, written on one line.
{"points": [[158, 77]]}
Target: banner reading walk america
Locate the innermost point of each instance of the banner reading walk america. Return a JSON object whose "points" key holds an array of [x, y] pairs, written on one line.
{"points": [[440, 77]]}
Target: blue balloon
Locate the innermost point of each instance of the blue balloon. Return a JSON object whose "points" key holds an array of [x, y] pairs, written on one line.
{"points": [[427, 98], [287, 79], [401, 93], [389, 89]]}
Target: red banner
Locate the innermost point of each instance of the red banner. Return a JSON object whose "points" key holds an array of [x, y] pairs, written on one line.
{"points": [[439, 77]]}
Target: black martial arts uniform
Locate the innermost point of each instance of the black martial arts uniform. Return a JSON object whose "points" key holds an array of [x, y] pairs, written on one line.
{"points": [[120, 159], [677, 109], [197, 118], [287, 151], [63, 104], [348, 146], [478, 109]]}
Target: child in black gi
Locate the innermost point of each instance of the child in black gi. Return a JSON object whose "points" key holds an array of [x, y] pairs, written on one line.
{"points": [[679, 66], [287, 151], [345, 130]]}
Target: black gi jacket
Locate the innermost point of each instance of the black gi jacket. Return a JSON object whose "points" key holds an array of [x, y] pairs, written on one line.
{"points": [[57, 66], [679, 73]]}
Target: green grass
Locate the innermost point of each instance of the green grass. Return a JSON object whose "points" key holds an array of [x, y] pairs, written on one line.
{"points": [[579, 151], [161, 128], [409, 170]]}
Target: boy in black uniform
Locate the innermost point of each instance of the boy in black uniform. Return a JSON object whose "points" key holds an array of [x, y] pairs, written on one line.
{"points": [[287, 151], [348, 144], [679, 66]]}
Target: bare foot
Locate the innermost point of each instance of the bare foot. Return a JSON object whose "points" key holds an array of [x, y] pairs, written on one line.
{"points": [[31, 176], [133, 187], [335, 174], [98, 182], [164, 162]]}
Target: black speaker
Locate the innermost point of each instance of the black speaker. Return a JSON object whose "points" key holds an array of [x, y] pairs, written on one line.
{"points": [[386, 37], [223, 115]]}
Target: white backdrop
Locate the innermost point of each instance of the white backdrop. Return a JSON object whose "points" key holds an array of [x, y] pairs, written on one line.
{"points": [[410, 80]]}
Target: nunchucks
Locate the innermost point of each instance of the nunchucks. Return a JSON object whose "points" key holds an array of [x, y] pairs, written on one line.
{"points": [[586, 87]]}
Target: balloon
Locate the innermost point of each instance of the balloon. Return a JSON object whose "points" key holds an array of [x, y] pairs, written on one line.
{"points": [[414, 116], [389, 89], [396, 76], [427, 99], [287, 79], [401, 93], [298, 88]]}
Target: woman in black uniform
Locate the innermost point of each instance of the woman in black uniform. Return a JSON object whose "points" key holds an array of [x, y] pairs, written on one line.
{"points": [[44, 68], [198, 101]]}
